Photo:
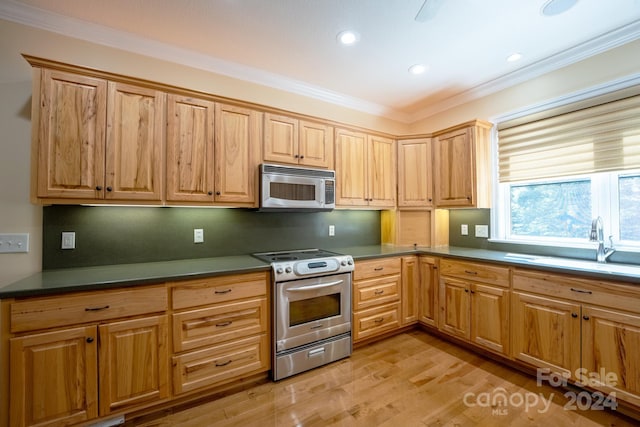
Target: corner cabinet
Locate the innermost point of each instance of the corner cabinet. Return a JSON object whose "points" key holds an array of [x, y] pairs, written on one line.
{"points": [[297, 142], [415, 182], [97, 139], [365, 170], [462, 166], [97, 353]]}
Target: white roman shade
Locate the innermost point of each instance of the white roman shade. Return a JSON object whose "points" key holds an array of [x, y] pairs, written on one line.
{"points": [[572, 140]]}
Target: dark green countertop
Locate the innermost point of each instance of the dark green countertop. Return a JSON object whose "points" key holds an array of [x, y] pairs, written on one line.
{"points": [[103, 277]]}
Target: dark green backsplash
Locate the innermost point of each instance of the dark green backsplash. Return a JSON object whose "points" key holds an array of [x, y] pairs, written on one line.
{"points": [[122, 235]]}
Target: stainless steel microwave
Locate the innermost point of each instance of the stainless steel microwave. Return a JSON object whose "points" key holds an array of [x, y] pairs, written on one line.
{"points": [[295, 189]]}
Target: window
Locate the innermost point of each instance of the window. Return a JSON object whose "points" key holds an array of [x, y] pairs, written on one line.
{"points": [[561, 210], [560, 168]]}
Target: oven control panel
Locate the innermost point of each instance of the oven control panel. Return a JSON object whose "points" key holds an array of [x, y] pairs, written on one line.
{"points": [[292, 270]]}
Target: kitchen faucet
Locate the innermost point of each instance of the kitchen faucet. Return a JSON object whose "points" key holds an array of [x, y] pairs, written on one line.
{"points": [[597, 235]]}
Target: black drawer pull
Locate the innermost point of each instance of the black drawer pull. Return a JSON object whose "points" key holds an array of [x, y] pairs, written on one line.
{"points": [[378, 269], [475, 273], [223, 324], [379, 320], [580, 291], [379, 292], [96, 308], [223, 363], [226, 291]]}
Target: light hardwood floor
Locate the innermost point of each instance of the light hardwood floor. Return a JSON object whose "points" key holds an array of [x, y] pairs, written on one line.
{"points": [[411, 379]]}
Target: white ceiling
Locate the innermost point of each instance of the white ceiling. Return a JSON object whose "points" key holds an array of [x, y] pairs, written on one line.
{"points": [[291, 44]]}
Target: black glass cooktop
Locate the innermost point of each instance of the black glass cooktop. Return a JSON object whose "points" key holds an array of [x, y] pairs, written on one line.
{"points": [[294, 255]]}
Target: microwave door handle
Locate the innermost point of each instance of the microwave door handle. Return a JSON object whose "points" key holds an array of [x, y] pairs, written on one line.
{"points": [[320, 286]]}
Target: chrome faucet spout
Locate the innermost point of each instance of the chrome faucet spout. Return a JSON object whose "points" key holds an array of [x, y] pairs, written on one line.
{"points": [[597, 235]]}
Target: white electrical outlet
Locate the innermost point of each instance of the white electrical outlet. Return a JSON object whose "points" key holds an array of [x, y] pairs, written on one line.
{"points": [[68, 240], [198, 235], [464, 229], [332, 230], [10, 243], [482, 231]]}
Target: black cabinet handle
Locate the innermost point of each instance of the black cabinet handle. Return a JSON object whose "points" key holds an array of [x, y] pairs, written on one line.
{"points": [[466, 290], [210, 193], [580, 291], [574, 315], [96, 308], [223, 324], [474, 273], [109, 189], [217, 193], [223, 363], [99, 188], [585, 317], [226, 291], [90, 340]]}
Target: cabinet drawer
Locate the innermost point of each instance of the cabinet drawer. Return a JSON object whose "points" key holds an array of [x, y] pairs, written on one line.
{"points": [[371, 322], [213, 325], [473, 271], [376, 268], [219, 364], [608, 294], [372, 292], [214, 290], [86, 307]]}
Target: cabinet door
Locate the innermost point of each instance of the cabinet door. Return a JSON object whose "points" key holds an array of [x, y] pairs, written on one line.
{"points": [[189, 149], [316, 145], [351, 169], [135, 143], [237, 133], [281, 139], [134, 362], [71, 136], [490, 317], [54, 378], [454, 169], [545, 332], [410, 295], [415, 174], [381, 168], [428, 291], [454, 315], [611, 346]]}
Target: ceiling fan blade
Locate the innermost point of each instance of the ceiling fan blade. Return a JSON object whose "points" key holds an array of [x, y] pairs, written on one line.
{"points": [[428, 10]]}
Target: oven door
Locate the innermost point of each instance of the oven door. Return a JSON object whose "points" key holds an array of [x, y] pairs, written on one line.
{"points": [[312, 309]]}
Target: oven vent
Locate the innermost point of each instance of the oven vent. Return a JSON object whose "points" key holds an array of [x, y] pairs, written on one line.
{"points": [[287, 170]]}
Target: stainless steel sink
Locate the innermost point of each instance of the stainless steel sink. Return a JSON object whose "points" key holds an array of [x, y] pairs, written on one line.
{"points": [[588, 265]]}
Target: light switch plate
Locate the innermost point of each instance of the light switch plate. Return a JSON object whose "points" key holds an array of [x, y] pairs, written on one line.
{"points": [[14, 242], [198, 235], [482, 231], [68, 240]]}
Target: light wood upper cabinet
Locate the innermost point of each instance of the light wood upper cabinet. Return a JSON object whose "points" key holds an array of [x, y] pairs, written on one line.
{"points": [[190, 149], [365, 170], [69, 126], [462, 166], [297, 142], [135, 142], [237, 154], [415, 173], [98, 139]]}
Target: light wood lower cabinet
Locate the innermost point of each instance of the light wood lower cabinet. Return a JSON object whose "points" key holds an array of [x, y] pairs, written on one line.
{"points": [[580, 328], [410, 290], [472, 307], [220, 330], [428, 304], [76, 373], [377, 286]]}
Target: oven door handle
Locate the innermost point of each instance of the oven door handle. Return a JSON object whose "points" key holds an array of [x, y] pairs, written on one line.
{"points": [[320, 286]]}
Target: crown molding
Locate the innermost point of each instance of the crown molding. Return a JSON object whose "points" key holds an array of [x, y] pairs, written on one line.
{"points": [[45, 20]]}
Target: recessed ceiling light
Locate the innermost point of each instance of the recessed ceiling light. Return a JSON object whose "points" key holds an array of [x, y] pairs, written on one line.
{"points": [[348, 37], [418, 69], [556, 7], [514, 57]]}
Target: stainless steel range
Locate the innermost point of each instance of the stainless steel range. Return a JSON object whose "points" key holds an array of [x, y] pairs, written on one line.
{"points": [[311, 309]]}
